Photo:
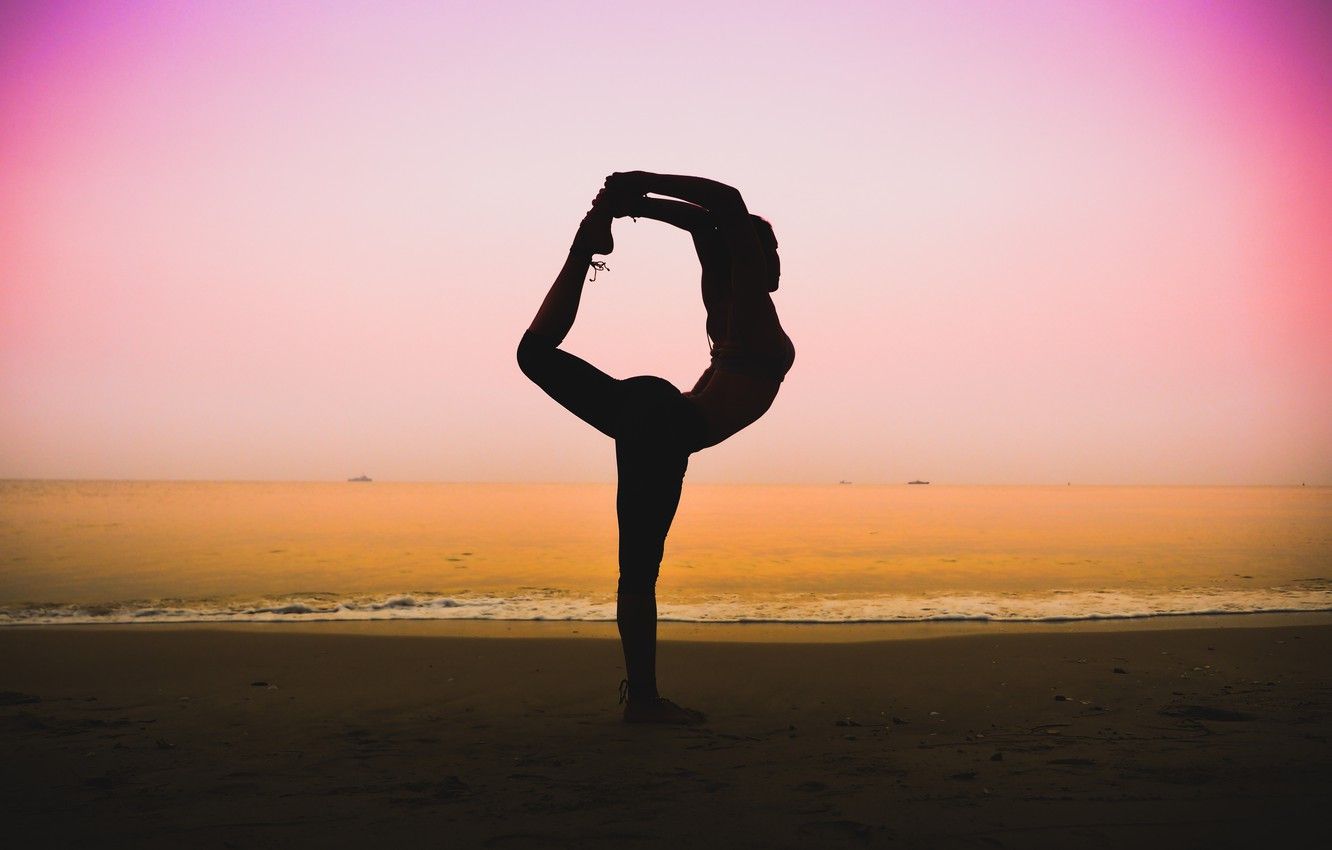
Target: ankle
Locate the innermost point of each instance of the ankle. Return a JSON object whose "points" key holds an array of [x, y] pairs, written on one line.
{"points": [[593, 237], [585, 242]]}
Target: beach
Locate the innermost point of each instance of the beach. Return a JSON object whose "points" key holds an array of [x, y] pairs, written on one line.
{"points": [[949, 385], [1165, 732]]}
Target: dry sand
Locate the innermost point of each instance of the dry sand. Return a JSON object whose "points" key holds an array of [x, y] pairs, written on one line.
{"points": [[422, 734]]}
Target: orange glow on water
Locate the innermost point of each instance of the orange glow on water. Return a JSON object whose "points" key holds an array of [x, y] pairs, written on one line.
{"points": [[99, 542]]}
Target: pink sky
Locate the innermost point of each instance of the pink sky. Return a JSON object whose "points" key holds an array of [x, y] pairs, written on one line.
{"points": [[1027, 243]]}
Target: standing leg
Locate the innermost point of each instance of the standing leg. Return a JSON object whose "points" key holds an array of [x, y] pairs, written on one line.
{"points": [[645, 504], [651, 464]]}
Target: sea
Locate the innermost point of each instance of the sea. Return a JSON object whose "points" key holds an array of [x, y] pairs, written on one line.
{"points": [[74, 552]]}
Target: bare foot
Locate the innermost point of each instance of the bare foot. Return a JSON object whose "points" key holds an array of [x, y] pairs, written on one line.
{"points": [[661, 710]]}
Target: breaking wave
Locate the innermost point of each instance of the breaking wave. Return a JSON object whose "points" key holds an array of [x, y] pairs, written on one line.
{"points": [[551, 604]]}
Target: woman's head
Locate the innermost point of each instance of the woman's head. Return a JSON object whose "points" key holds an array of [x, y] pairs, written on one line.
{"points": [[768, 239]]}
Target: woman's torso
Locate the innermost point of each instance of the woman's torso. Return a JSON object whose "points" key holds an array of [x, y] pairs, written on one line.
{"points": [[742, 384]]}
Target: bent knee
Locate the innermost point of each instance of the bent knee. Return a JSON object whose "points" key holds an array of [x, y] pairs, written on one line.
{"points": [[533, 350]]}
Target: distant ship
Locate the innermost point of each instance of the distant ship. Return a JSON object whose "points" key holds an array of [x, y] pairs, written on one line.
{"points": [[361, 478], [918, 482], [843, 481]]}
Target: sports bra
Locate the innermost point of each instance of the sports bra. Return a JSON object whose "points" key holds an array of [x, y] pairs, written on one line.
{"points": [[755, 364]]}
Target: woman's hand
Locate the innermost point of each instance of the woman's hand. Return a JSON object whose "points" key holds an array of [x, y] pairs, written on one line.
{"points": [[629, 183], [607, 202], [622, 193]]}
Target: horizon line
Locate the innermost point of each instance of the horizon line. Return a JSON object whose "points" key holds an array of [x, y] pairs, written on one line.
{"points": [[495, 482]]}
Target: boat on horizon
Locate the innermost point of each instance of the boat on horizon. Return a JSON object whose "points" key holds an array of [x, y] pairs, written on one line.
{"points": [[361, 478], [918, 482]]}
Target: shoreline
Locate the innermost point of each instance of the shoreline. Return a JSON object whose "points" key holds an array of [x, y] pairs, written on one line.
{"points": [[758, 632], [330, 734]]}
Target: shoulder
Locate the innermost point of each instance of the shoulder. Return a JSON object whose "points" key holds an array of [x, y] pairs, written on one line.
{"points": [[709, 243]]}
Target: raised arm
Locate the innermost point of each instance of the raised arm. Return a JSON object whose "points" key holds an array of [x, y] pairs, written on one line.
{"points": [[749, 271], [717, 198], [685, 216], [689, 217]]}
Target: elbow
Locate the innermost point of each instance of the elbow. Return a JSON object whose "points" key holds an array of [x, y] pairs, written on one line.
{"points": [[729, 203]]}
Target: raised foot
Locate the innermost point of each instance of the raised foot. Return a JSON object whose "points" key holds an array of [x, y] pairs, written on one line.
{"points": [[661, 710], [594, 234]]}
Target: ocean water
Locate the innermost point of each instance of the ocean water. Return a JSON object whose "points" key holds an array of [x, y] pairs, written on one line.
{"points": [[146, 552]]}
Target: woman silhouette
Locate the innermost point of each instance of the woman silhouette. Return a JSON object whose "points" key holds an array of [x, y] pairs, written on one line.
{"points": [[655, 426]]}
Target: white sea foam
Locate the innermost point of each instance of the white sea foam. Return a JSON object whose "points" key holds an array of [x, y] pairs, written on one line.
{"points": [[547, 604]]}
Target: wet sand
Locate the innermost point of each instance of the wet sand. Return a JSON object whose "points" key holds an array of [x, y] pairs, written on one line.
{"points": [[1160, 735]]}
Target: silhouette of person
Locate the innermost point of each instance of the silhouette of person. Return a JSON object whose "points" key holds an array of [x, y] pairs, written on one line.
{"points": [[656, 426]]}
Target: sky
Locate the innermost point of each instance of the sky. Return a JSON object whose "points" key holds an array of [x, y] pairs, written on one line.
{"points": [[1021, 242]]}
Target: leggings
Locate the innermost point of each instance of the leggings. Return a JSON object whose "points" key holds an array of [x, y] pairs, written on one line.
{"points": [[655, 429]]}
